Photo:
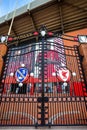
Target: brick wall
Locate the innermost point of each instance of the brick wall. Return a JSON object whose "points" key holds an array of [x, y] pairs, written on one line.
{"points": [[82, 47], [75, 33]]}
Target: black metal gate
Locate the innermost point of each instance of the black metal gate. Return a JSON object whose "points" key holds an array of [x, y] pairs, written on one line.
{"points": [[43, 99]]}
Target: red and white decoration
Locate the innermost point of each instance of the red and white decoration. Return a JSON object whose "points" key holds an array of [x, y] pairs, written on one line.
{"points": [[64, 75]]}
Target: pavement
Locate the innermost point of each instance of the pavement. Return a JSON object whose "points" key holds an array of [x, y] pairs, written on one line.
{"points": [[46, 128]]}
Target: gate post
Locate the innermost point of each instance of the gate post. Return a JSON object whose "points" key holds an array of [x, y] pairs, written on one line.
{"points": [[3, 51], [43, 32], [83, 53], [42, 106]]}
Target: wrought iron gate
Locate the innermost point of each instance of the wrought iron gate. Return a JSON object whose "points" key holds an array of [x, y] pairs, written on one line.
{"points": [[43, 99]]}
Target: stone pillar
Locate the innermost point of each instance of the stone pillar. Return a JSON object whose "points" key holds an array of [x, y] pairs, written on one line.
{"points": [[83, 53], [1, 64], [3, 51]]}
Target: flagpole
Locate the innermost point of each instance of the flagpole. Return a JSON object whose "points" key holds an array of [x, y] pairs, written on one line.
{"points": [[9, 31]]}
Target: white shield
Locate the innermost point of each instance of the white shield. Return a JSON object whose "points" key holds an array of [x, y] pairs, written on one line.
{"points": [[64, 74]]}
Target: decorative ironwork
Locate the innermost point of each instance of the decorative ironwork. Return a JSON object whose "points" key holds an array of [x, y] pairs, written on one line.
{"points": [[43, 100]]}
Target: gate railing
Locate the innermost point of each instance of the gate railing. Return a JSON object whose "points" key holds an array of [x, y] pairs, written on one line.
{"points": [[43, 99]]}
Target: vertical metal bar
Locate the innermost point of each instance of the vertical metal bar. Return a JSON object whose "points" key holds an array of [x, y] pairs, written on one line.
{"points": [[82, 78], [42, 107]]}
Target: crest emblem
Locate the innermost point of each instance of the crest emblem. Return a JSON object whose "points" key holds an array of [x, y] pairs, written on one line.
{"points": [[64, 74], [21, 75]]}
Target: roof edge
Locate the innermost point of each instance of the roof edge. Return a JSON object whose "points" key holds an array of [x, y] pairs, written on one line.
{"points": [[30, 6]]}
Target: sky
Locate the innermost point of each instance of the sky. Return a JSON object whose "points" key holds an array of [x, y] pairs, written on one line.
{"points": [[7, 6]]}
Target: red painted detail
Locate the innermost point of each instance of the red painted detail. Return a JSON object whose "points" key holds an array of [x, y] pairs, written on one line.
{"points": [[10, 80], [10, 39], [35, 33], [75, 38], [32, 90], [50, 33], [71, 89], [64, 75], [78, 89]]}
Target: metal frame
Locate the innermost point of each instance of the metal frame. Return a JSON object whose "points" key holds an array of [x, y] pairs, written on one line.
{"points": [[43, 108]]}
